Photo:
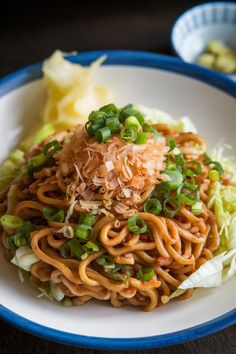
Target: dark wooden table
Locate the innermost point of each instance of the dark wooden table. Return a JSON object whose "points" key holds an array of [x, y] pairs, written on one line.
{"points": [[29, 32]]}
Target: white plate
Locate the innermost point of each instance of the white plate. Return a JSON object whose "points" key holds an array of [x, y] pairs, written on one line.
{"points": [[154, 81]]}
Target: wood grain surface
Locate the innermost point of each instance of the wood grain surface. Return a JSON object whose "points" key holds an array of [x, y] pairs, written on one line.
{"points": [[29, 32]]}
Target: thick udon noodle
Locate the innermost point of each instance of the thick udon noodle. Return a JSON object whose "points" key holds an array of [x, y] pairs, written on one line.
{"points": [[175, 247]]}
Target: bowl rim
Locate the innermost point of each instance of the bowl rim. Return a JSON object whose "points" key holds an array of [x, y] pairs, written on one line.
{"points": [[140, 59], [187, 11], [163, 340], [32, 72]]}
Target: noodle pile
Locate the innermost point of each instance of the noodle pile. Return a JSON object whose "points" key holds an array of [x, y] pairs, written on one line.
{"points": [[111, 181]]}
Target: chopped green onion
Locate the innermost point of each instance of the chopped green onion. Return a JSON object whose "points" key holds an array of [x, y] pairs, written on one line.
{"points": [[188, 174], [176, 151], [179, 159], [83, 232], [52, 214], [101, 260], [106, 261], [38, 160], [103, 134], [19, 240], [120, 277], [171, 142], [137, 225], [93, 126], [147, 128], [129, 134], [153, 206], [214, 175], [197, 208], [26, 229], [170, 207], [129, 105], [188, 194], [145, 273], [153, 131], [126, 112], [11, 221], [132, 122], [207, 159], [216, 165], [92, 246], [162, 191], [66, 251], [141, 138], [113, 124], [11, 244], [72, 248], [29, 170], [76, 249], [109, 266], [116, 272], [94, 115], [52, 147], [129, 111], [186, 186], [188, 199], [109, 108], [87, 219], [84, 256], [59, 216], [121, 273], [171, 166], [176, 179], [21, 236], [195, 166]]}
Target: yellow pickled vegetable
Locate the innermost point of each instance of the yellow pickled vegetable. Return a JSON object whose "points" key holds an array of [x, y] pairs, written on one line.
{"points": [[219, 57], [226, 63], [207, 60]]}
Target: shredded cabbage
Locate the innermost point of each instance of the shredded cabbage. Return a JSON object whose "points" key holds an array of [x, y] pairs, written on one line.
{"points": [[223, 201], [154, 116], [56, 292], [46, 130], [51, 291], [210, 274], [71, 93], [228, 162], [11, 168], [24, 258]]}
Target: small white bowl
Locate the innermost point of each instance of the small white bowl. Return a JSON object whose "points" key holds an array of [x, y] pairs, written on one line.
{"points": [[196, 27]]}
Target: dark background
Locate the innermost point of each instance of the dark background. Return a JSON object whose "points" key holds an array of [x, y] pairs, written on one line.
{"points": [[29, 32]]}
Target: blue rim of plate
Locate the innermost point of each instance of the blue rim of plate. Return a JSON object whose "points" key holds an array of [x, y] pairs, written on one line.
{"points": [[185, 12], [147, 60]]}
